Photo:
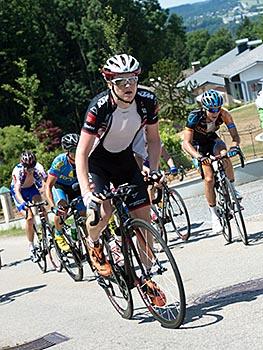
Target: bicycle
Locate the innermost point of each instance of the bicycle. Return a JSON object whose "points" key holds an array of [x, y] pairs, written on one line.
{"points": [[73, 260], [169, 209], [154, 274], [228, 204], [44, 239]]}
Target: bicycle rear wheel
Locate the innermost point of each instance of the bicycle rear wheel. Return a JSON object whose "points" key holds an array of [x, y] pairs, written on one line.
{"points": [[224, 208], [117, 288], [70, 260], [41, 248], [156, 275], [178, 214], [237, 213]]}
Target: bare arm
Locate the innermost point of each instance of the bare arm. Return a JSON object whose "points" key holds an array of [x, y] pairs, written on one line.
{"points": [[187, 144], [235, 137], [17, 189], [83, 150], [51, 180], [166, 156], [154, 145]]}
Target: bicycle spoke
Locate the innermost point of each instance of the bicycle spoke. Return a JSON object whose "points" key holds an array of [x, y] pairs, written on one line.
{"points": [[237, 214], [160, 283]]}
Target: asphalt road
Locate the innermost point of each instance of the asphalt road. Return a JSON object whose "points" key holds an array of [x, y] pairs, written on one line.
{"points": [[223, 284]]}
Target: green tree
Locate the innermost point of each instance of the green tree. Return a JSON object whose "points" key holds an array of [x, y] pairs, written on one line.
{"points": [[26, 94], [219, 43], [115, 37], [176, 40], [196, 43], [164, 78], [246, 29]]}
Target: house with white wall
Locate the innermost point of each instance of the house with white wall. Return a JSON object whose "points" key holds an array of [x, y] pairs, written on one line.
{"points": [[237, 74]]}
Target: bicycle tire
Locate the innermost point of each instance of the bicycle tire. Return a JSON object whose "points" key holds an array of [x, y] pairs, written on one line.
{"points": [[178, 210], [163, 272], [158, 224], [41, 247], [237, 213], [52, 252], [70, 260], [224, 208], [116, 288]]}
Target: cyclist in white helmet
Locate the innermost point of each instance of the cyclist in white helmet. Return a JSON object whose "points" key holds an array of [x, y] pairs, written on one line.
{"points": [[104, 152], [201, 139]]}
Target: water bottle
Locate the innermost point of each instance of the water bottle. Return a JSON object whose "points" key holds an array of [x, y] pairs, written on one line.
{"points": [[73, 230], [112, 225]]}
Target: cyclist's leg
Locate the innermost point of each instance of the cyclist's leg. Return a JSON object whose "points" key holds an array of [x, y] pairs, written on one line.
{"points": [[94, 232], [139, 206], [30, 194], [61, 200]]}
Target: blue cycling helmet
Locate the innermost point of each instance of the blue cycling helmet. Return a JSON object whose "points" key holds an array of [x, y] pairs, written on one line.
{"points": [[211, 99]]}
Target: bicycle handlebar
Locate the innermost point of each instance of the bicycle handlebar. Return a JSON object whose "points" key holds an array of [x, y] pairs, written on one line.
{"points": [[38, 204], [123, 191], [219, 157]]}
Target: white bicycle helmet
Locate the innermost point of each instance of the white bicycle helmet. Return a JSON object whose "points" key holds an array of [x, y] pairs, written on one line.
{"points": [[120, 64], [69, 142]]}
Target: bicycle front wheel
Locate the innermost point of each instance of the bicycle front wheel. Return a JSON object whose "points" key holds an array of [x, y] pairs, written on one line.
{"points": [[71, 259], [117, 289], [156, 275], [41, 248], [237, 213], [178, 214], [52, 252], [224, 208]]}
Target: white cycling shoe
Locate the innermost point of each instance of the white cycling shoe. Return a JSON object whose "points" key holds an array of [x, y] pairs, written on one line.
{"points": [[216, 225]]}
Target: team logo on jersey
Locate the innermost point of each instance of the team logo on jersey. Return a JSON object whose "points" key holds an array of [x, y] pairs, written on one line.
{"points": [[59, 165], [102, 100], [91, 118]]}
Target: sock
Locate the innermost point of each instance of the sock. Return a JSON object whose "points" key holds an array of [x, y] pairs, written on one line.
{"points": [[213, 211], [31, 246], [92, 243]]}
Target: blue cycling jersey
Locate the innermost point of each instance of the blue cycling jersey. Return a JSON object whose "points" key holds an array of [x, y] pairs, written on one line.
{"points": [[63, 170]]}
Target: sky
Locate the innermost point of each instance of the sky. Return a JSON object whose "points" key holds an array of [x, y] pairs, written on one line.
{"points": [[171, 3]]}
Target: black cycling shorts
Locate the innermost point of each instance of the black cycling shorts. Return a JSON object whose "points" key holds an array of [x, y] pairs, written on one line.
{"points": [[107, 168], [210, 147]]}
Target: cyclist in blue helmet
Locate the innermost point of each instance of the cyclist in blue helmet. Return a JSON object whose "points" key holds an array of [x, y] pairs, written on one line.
{"points": [[201, 140]]}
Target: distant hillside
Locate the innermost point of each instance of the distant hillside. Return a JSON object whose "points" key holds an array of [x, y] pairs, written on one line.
{"points": [[211, 14], [201, 8]]}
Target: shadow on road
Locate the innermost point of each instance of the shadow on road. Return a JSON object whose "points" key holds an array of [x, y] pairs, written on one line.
{"points": [[255, 238], [15, 263], [197, 234], [210, 304], [12, 296]]}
